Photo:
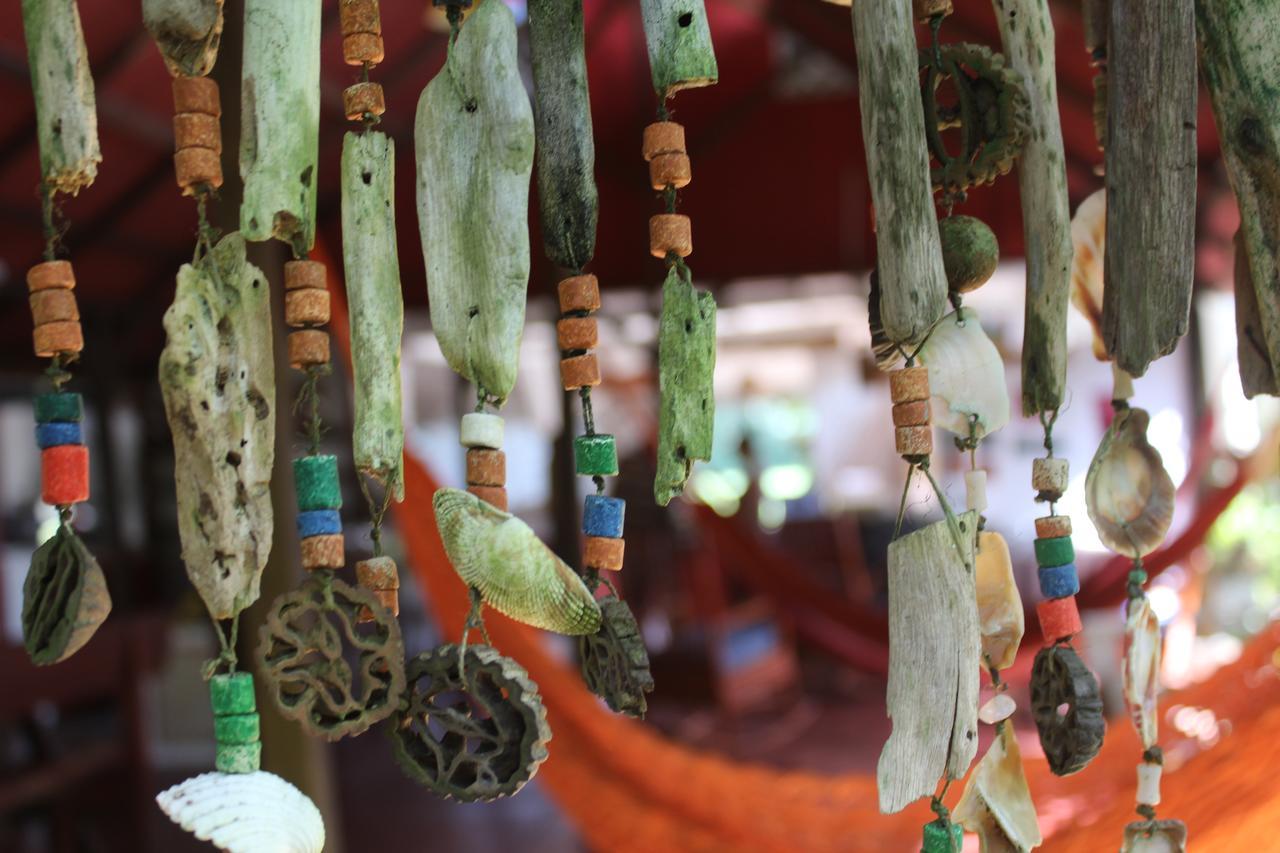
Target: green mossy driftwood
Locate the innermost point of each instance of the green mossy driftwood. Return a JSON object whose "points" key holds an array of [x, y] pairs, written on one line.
{"points": [[566, 151], [913, 285], [280, 120], [681, 55], [686, 368], [217, 375], [64, 598], [474, 138], [377, 306], [187, 32], [66, 118], [1026, 31]]}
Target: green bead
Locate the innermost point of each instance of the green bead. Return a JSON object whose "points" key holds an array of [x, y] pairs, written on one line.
{"points": [[238, 757], [231, 694], [236, 728], [942, 838], [1054, 552], [970, 252], [315, 480], [595, 455], [63, 407]]}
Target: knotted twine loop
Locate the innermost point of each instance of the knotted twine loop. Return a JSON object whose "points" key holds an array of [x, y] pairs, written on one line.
{"points": [[475, 620]]}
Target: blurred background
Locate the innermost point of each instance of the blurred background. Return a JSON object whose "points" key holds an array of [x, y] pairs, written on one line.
{"points": [[761, 597]]}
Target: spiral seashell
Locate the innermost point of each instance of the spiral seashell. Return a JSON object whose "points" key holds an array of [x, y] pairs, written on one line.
{"points": [[245, 813], [966, 376], [515, 572], [1089, 238], [1127, 490]]}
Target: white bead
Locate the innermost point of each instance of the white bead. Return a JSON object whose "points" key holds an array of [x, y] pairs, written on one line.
{"points": [[999, 707], [1149, 784], [975, 489], [480, 429], [1049, 475]]}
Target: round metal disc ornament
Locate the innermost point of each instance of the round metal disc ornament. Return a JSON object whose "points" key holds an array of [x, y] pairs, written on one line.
{"points": [[615, 663], [1067, 709]]}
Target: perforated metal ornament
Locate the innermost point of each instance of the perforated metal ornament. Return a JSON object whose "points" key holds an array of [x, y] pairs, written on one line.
{"points": [[64, 598]]}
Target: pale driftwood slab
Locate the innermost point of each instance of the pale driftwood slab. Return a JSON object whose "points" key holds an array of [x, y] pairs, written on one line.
{"points": [[377, 306], [681, 55], [1026, 31], [187, 32], [280, 120], [566, 149], [474, 136], [686, 374], [1240, 62], [217, 376], [913, 285], [66, 115], [934, 658], [1151, 179]]}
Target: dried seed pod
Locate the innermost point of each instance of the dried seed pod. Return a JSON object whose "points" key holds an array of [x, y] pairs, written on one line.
{"points": [[670, 232], [64, 598], [1070, 740], [1127, 491], [970, 253], [614, 661]]}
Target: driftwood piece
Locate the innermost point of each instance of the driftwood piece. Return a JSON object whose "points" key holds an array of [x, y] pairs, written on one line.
{"points": [[66, 118], [933, 663], [377, 305], [1240, 61], [474, 137], [280, 120], [217, 375], [566, 150], [913, 284], [681, 55], [187, 33], [686, 368], [1026, 31], [1151, 179]]}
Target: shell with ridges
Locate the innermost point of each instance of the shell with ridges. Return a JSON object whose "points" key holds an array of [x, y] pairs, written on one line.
{"points": [[245, 813], [966, 375], [1128, 493], [996, 803], [515, 572], [1089, 239], [1140, 669]]}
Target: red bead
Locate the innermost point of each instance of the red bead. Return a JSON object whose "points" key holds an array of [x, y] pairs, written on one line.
{"points": [[1059, 619], [64, 474]]}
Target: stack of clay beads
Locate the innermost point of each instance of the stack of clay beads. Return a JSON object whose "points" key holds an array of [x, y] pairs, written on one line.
{"points": [[197, 134], [315, 481], [481, 435], [670, 233], [235, 723], [51, 289], [306, 309], [909, 390], [64, 460], [1055, 556], [380, 576], [577, 333], [602, 519], [362, 45]]}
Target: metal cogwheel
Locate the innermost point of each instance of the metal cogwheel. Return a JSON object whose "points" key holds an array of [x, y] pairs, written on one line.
{"points": [[614, 661], [1070, 737], [473, 735]]}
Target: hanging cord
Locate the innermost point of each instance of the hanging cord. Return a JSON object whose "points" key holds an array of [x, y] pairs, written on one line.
{"points": [[227, 656], [943, 813], [377, 509], [55, 225], [475, 621], [309, 398]]}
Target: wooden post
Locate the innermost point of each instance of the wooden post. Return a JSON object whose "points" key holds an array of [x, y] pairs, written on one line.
{"points": [[187, 32], [679, 40]]}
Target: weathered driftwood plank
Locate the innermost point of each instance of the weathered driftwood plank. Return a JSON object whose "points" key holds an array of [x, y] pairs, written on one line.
{"points": [[1026, 30], [1151, 179], [933, 663], [218, 379], [566, 149], [187, 33], [474, 138], [1257, 370], [280, 120], [686, 368], [913, 285], [66, 118], [1240, 61], [377, 305], [679, 40]]}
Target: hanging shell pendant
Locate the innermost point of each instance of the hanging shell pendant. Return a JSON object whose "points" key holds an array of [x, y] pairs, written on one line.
{"points": [[515, 572], [966, 376], [1127, 490], [1140, 669], [1155, 836], [996, 803], [245, 813], [1000, 616]]}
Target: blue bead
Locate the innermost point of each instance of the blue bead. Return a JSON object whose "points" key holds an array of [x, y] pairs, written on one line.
{"points": [[1059, 581], [57, 434], [602, 516], [319, 522]]}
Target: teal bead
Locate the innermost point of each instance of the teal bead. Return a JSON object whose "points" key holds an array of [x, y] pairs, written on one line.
{"points": [[942, 838], [315, 481], [231, 694], [595, 456], [237, 728], [1055, 552], [62, 407], [238, 757]]}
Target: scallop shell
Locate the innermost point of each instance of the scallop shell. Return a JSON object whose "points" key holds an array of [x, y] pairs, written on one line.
{"points": [[245, 813], [1089, 238], [966, 375], [1127, 491], [1140, 669], [516, 573], [996, 803]]}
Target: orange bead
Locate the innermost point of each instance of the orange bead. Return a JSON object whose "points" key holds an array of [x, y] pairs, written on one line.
{"points": [[577, 333], [64, 474], [1059, 619], [486, 467], [378, 573], [63, 337], [911, 414], [599, 552], [308, 347], [306, 306], [670, 170], [914, 440], [361, 99], [52, 306], [361, 48], [195, 166], [51, 275], [197, 130], [196, 95], [323, 552], [304, 274], [579, 293], [909, 385], [1053, 526], [359, 16], [579, 371], [495, 495], [663, 137], [670, 232]]}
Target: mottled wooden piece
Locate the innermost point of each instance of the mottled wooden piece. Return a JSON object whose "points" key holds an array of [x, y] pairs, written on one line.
{"points": [[686, 373], [681, 55], [187, 32]]}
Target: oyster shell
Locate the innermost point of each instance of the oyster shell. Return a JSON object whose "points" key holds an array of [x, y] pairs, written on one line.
{"points": [[1140, 669], [996, 803], [1089, 239], [516, 573], [966, 375], [245, 813], [1000, 617], [1127, 490]]}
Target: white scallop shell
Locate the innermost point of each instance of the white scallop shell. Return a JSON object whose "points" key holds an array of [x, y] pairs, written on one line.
{"points": [[966, 375], [245, 813], [1089, 239]]}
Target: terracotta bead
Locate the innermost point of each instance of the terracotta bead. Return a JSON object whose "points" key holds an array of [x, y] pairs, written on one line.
{"points": [[378, 573], [304, 274], [359, 16], [909, 385], [579, 293], [495, 495], [363, 98], [197, 130], [914, 440], [577, 333], [308, 347], [926, 9], [194, 166], [663, 137], [64, 474], [670, 170], [60, 337], [51, 275], [306, 306], [196, 95], [670, 232], [1053, 526], [388, 598], [51, 306], [579, 371], [915, 413], [1049, 477], [359, 48], [602, 553], [323, 552], [1059, 619], [486, 467]]}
